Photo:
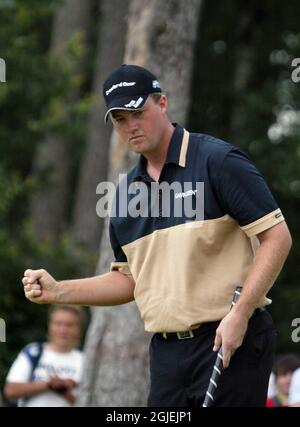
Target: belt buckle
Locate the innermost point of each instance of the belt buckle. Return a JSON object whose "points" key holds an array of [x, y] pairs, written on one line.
{"points": [[185, 335]]}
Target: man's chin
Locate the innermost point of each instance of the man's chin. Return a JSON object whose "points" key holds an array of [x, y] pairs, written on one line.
{"points": [[138, 148]]}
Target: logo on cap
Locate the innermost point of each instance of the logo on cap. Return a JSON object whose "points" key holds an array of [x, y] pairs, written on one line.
{"points": [[121, 84], [155, 84], [134, 103]]}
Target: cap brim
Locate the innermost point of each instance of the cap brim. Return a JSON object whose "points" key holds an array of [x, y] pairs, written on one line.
{"points": [[130, 103]]}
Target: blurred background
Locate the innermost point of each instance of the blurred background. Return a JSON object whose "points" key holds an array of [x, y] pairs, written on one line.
{"points": [[226, 66]]}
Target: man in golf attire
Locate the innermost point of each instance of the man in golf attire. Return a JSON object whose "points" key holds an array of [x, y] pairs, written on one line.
{"points": [[182, 270]]}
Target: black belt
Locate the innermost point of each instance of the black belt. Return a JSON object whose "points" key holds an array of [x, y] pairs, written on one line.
{"points": [[204, 327]]}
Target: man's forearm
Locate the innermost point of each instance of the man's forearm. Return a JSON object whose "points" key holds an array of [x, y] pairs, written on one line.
{"points": [[268, 262], [108, 289], [274, 247], [22, 390]]}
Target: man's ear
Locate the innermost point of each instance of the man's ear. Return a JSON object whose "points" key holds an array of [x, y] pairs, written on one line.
{"points": [[163, 103]]}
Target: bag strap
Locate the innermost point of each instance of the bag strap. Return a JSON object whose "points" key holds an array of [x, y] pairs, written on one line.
{"points": [[33, 352]]}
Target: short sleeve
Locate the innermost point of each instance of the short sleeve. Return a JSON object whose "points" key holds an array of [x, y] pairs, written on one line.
{"points": [[20, 370], [120, 264], [245, 195]]}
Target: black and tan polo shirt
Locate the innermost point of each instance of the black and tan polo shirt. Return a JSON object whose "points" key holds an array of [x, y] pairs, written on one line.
{"points": [[185, 268]]}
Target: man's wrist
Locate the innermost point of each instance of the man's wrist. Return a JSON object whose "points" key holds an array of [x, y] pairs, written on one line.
{"points": [[244, 309], [59, 293], [45, 385]]}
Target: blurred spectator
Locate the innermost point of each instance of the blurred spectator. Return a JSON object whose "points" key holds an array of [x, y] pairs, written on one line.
{"points": [[294, 396], [283, 369], [48, 374]]}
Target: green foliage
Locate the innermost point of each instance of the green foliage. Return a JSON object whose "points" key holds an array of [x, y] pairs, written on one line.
{"points": [[18, 250], [34, 100]]}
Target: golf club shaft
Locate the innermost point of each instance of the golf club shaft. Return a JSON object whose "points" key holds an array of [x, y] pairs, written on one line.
{"points": [[218, 366]]}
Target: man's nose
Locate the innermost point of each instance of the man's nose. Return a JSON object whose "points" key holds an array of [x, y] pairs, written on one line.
{"points": [[132, 124]]}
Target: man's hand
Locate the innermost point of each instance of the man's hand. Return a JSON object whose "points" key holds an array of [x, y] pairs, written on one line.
{"points": [[230, 335], [40, 287], [63, 387], [60, 385]]}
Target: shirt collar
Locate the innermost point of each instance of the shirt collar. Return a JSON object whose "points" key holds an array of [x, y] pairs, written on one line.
{"points": [[176, 153]]}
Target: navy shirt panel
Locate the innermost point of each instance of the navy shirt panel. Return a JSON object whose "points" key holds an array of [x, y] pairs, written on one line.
{"points": [[242, 190], [232, 185]]}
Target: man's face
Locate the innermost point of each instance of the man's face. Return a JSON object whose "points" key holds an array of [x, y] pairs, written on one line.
{"points": [[142, 130], [64, 328], [283, 382]]}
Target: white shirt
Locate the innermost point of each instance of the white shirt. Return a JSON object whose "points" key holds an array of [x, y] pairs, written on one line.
{"points": [[272, 389], [64, 365], [294, 394]]}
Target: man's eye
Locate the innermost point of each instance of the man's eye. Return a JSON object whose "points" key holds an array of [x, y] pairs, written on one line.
{"points": [[138, 113], [119, 119]]}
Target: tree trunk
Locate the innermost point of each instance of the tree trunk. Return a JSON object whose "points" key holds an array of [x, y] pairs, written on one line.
{"points": [[87, 226], [52, 160], [160, 37], [245, 63]]}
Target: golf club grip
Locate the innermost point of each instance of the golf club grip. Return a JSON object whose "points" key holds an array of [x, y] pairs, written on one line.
{"points": [[218, 366]]}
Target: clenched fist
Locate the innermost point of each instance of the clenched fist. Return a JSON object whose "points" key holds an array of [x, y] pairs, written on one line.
{"points": [[40, 287]]}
